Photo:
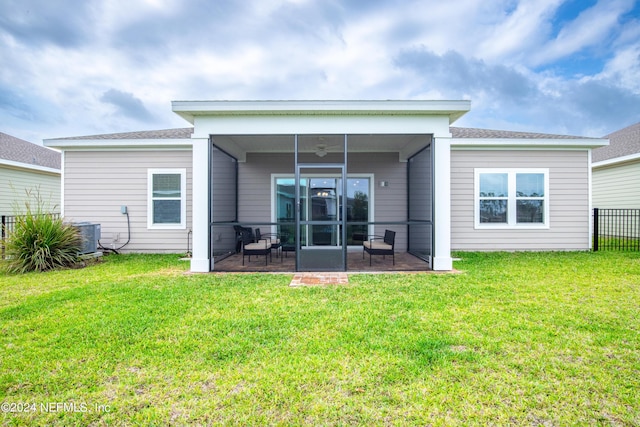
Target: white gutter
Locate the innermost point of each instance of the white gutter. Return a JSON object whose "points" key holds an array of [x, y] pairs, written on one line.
{"points": [[528, 142], [21, 165], [117, 143], [616, 160]]}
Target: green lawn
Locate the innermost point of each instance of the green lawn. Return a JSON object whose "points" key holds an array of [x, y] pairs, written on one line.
{"points": [[549, 339]]}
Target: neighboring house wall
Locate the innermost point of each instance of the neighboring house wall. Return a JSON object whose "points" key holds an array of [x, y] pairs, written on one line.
{"points": [[16, 183], [390, 203], [616, 170], [568, 200], [617, 186], [98, 183]]}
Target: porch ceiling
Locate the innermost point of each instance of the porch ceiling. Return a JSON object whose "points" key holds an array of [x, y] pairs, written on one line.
{"points": [[240, 145]]}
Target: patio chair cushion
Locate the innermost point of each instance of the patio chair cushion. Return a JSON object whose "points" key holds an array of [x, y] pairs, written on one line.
{"points": [[262, 244], [272, 238], [377, 244]]}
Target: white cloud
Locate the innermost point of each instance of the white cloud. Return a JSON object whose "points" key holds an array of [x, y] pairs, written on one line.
{"points": [[521, 31], [624, 68], [591, 27], [155, 51]]}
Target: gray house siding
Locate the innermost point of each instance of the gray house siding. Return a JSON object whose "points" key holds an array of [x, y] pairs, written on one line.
{"points": [[390, 203], [569, 213], [617, 186], [98, 183], [15, 183], [223, 186], [223, 197]]}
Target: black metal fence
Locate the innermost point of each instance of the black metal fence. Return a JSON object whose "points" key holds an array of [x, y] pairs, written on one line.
{"points": [[616, 229], [8, 224]]}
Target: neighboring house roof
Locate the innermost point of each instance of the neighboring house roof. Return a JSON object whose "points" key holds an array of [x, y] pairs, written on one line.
{"points": [[15, 150], [622, 143]]}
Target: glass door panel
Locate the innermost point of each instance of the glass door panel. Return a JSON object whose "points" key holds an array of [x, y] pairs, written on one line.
{"points": [[358, 198], [323, 194], [320, 203], [285, 203]]}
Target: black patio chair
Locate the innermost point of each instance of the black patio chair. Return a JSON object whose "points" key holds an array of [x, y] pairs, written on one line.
{"points": [[239, 229], [273, 238], [359, 237], [286, 246], [379, 245], [252, 247]]}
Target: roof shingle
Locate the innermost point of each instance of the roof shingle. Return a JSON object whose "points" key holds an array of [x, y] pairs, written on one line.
{"points": [[623, 142], [180, 133], [457, 132], [21, 151]]}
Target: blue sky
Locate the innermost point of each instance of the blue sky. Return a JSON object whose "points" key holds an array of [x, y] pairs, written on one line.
{"points": [[74, 68]]}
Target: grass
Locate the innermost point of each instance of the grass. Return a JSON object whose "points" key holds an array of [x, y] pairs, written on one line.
{"points": [[549, 339]]}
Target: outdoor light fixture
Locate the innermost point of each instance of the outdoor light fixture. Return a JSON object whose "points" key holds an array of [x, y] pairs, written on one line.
{"points": [[321, 150]]}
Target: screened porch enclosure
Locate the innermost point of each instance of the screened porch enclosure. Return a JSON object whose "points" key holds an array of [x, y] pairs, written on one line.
{"points": [[320, 196]]}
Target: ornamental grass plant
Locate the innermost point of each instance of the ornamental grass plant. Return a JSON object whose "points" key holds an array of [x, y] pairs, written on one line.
{"points": [[40, 241]]}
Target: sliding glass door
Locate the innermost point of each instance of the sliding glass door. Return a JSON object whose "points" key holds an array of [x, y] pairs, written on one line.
{"points": [[320, 200]]}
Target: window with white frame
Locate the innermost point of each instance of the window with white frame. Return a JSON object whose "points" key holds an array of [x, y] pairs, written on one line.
{"points": [[166, 198], [512, 198]]}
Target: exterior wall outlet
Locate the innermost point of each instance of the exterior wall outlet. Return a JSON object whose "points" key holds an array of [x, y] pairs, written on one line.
{"points": [[123, 209]]}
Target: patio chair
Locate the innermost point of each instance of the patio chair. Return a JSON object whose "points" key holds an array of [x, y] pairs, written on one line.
{"points": [[252, 247], [239, 229], [379, 245], [359, 237], [286, 246], [272, 238]]}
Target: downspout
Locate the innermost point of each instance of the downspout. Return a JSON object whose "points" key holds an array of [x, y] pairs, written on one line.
{"points": [[188, 254]]}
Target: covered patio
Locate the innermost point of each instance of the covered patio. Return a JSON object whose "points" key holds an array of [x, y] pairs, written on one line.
{"points": [[322, 177], [355, 264]]}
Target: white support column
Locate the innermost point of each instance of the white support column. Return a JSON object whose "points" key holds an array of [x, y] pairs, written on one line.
{"points": [[200, 208], [441, 253]]}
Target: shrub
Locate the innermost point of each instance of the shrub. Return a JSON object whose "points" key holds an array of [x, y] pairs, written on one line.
{"points": [[39, 241]]}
